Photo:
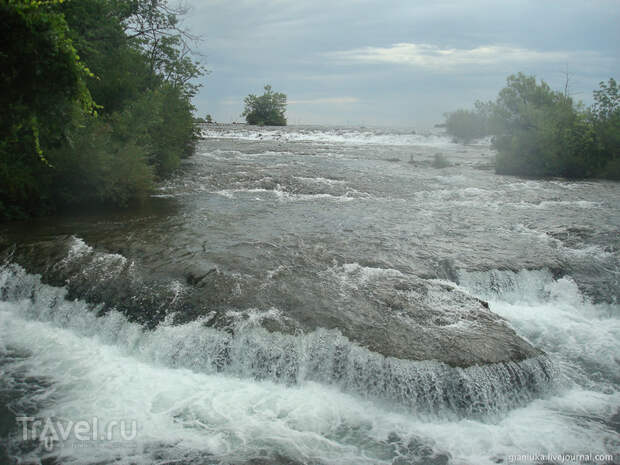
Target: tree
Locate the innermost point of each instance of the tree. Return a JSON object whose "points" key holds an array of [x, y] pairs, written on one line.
{"points": [[467, 125], [541, 132], [268, 109], [605, 117], [43, 88], [606, 100], [72, 134]]}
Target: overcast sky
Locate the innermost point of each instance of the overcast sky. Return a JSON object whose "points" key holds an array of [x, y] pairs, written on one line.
{"points": [[395, 62]]}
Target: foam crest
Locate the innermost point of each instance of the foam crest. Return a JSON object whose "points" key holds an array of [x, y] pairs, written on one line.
{"points": [[583, 338], [283, 195], [184, 416], [331, 136], [192, 417], [354, 274], [326, 356]]}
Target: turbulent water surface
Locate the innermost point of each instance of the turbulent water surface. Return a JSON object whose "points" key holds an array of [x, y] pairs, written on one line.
{"points": [[312, 295]]}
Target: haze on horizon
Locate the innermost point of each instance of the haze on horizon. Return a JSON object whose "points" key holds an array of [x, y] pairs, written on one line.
{"points": [[395, 63]]}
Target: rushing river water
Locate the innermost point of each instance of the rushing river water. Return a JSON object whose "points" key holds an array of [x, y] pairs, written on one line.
{"points": [[310, 295]]}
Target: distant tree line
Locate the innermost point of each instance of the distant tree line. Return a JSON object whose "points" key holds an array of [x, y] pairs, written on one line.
{"points": [[95, 102], [541, 132]]}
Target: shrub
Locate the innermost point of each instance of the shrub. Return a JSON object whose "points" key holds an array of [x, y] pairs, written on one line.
{"points": [[466, 125], [266, 110], [540, 132], [59, 147]]}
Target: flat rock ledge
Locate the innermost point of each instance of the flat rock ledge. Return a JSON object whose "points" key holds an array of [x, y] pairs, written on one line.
{"points": [[397, 316]]}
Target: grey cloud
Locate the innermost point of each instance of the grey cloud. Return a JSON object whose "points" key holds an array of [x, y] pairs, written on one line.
{"points": [[406, 62], [434, 57]]}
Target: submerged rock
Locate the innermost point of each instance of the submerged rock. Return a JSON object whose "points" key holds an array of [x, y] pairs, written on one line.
{"points": [[246, 348], [387, 312]]}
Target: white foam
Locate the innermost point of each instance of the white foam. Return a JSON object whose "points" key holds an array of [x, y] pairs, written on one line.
{"points": [[564, 424], [183, 415], [356, 274], [320, 180], [331, 136], [114, 370], [555, 316], [284, 196], [547, 204], [77, 249]]}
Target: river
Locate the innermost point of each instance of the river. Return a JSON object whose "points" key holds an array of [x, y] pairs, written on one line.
{"points": [[319, 295]]}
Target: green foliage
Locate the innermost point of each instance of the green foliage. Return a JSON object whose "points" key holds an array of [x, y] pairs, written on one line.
{"points": [[266, 110], [611, 170], [173, 133], [98, 166], [466, 125], [606, 101], [57, 145], [43, 83], [605, 119], [528, 118], [540, 132]]}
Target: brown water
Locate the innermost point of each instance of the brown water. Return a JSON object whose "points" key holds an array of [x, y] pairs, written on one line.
{"points": [[316, 295]]}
